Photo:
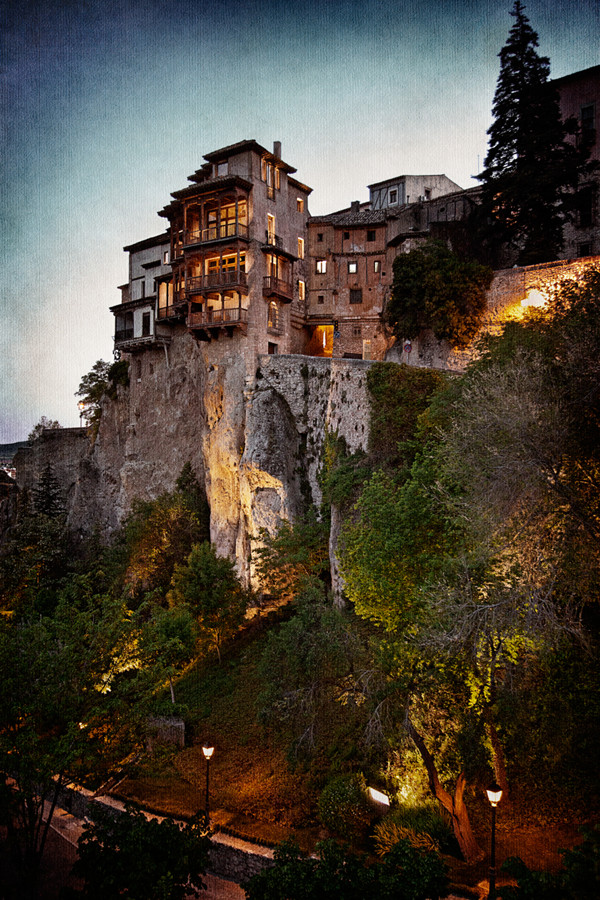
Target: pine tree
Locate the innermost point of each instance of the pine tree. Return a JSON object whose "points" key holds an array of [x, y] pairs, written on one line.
{"points": [[531, 173], [47, 495]]}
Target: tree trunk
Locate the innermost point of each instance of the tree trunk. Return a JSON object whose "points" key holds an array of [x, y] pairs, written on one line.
{"points": [[497, 757], [172, 691], [455, 806]]}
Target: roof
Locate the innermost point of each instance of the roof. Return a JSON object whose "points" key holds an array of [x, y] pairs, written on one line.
{"points": [[251, 146], [583, 74], [220, 181], [149, 242], [354, 215]]}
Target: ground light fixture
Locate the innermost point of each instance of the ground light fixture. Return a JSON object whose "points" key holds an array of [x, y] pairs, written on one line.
{"points": [[208, 752], [494, 795]]}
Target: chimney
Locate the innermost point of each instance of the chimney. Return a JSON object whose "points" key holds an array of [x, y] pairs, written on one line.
{"points": [[277, 149], [355, 206]]}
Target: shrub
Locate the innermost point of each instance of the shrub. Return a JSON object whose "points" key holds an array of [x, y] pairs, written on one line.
{"points": [[421, 825], [343, 805]]}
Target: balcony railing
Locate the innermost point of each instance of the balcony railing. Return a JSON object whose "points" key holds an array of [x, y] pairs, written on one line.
{"points": [[275, 286], [216, 233], [125, 334], [214, 279], [273, 240], [216, 317]]}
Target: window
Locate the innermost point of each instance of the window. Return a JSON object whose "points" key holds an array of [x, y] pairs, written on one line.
{"points": [[300, 248], [356, 331], [272, 349], [319, 237], [371, 235], [428, 193], [320, 298], [346, 235], [222, 168], [299, 204], [301, 290], [321, 266], [377, 265], [273, 316], [355, 295], [165, 257], [588, 124], [366, 354], [146, 324], [352, 268], [270, 229], [143, 287], [393, 196], [271, 175]]}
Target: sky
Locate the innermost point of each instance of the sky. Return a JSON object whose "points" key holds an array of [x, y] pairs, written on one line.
{"points": [[108, 105]]}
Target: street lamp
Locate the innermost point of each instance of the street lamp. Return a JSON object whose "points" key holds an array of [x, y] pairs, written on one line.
{"points": [[494, 794], [81, 408], [208, 752]]}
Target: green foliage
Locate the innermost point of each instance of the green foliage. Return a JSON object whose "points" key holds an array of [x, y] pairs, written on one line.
{"points": [[102, 380], [579, 879], [399, 395], [39, 428], [344, 807], [72, 702], [530, 170], [405, 874], [128, 855], [47, 495], [168, 638], [296, 555], [159, 534], [33, 563], [208, 585], [341, 473], [305, 669], [433, 288], [421, 825]]}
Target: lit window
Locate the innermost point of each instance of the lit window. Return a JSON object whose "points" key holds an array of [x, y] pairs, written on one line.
{"points": [[300, 248], [273, 318], [377, 266], [166, 257], [356, 295], [352, 268], [300, 204], [270, 229], [321, 266], [301, 290]]}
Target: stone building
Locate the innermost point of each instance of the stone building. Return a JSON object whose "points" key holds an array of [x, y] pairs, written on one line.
{"points": [[238, 237], [579, 97]]}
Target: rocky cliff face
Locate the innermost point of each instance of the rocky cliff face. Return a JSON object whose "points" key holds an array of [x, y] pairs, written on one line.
{"points": [[254, 438]]}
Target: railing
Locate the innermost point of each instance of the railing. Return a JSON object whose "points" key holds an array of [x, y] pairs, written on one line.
{"points": [[214, 279], [273, 240], [125, 334], [272, 285], [165, 312], [216, 233], [216, 317]]}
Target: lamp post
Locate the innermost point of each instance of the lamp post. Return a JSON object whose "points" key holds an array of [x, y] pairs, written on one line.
{"points": [[494, 794], [81, 408], [208, 752]]}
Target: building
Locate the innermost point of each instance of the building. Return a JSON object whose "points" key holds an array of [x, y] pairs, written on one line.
{"points": [[579, 98]]}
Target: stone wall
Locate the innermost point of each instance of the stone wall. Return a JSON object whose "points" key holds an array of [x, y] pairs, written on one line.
{"points": [[64, 449]]}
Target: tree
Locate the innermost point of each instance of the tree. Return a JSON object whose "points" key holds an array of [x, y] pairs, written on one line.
{"points": [[207, 583], [101, 380], [47, 495], [530, 173], [73, 700], [433, 288], [169, 639], [295, 556], [404, 874], [127, 855], [41, 426]]}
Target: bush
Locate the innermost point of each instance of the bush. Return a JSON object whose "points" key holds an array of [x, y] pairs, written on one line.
{"points": [[422, 826], [343, 805], [579, 880]]}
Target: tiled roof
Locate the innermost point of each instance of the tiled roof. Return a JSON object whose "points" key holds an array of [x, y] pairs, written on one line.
{"points": [[353, 217]]}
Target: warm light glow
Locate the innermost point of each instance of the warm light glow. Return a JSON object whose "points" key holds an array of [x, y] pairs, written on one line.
{"points": [[494, 793], [378, 797], [81, 406], [534, 298], [208, 752]]}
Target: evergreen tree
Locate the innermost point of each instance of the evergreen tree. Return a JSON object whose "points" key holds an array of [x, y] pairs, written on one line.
{"points": [[531, 173], [47, 495]]}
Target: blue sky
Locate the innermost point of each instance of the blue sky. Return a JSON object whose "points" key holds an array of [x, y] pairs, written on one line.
{"points": [[108, 106]]}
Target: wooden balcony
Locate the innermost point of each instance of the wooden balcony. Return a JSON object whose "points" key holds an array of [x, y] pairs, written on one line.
{"points": [[208, 323], [276, 287], [199, 283], [221, 232]]}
